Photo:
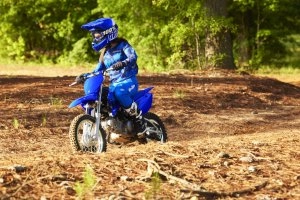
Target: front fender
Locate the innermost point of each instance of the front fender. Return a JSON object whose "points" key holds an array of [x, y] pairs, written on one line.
{"points": [[84, 100]]}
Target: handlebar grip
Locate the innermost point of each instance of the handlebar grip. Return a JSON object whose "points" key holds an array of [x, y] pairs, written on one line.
{"points": [[90, 75], [74, 83]]}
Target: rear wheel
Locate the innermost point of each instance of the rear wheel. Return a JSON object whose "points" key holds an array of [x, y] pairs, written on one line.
{"points": [[156, 130], [83, 136]]}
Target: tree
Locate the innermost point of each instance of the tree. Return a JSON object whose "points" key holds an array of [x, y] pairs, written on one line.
{"points": [[167, 34], [218, 43], [42, 29], [264, 27]]}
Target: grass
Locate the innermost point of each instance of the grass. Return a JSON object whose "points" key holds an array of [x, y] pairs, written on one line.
{"points": [[155, 187], [44, 120], [89, 180], [44, 70], [283, 70], [285, 74], [55, 101], [16, 123], [178, 94]]}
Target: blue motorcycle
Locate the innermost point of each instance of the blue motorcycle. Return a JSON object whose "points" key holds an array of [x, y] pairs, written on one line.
{"points": [[107, 122]]}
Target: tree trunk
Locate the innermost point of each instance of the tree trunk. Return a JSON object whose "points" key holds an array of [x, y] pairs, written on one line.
{"points": [[218, 44], [243, 39]]}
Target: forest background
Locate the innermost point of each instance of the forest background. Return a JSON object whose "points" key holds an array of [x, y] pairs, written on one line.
{"points": [[166, 34]]}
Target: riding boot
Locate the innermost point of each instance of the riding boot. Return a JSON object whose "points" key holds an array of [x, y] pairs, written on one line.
{"points": [[138, 119]]}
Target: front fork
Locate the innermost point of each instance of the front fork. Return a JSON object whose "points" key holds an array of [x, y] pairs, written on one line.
{"points": [[96, 113]]}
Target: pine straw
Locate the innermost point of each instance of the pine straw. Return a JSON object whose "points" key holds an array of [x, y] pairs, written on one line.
{"points": [[243, 117], [186, 169]]}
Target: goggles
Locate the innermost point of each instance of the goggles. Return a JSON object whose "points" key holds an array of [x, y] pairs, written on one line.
{"points": [[98, 35]]}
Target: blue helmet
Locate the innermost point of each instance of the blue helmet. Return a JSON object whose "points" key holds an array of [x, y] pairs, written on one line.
{"points": [[103, 31]]}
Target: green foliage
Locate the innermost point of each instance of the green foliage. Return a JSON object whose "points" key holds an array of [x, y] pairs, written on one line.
{"points": [[42, 29], [266, 26], [78, 55], [167, 34], [89, 181]]}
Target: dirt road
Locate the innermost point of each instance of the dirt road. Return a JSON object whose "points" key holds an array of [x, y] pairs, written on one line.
{"points": [[230, 135]]}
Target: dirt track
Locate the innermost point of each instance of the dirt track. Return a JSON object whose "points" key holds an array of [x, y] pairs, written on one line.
{"points": [[230, 136]]}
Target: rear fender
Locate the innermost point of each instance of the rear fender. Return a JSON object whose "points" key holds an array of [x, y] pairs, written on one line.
{"points": [[144, 99]]}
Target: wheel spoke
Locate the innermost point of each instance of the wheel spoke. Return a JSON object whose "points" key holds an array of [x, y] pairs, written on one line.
{"points": [[155, 128], [83, 137]]}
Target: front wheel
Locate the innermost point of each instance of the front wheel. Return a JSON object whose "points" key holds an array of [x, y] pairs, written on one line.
{"points": [[83, 136], [155, 128]]}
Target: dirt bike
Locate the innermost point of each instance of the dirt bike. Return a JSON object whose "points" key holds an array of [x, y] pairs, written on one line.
{"points": [[105, 122]]}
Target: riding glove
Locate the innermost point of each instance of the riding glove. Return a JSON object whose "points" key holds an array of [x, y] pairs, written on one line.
{"points": [[81, 78], [118, 65]]}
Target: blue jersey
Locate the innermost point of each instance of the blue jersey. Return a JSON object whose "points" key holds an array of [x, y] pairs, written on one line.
{"points": [[121, 52]]}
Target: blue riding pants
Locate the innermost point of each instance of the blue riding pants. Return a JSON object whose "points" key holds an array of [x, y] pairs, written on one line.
{"points": [[123, 91]]}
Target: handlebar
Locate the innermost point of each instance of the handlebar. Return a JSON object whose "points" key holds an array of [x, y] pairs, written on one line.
{"points": [[91, 75]]}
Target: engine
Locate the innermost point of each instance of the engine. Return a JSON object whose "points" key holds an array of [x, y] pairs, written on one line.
{"points": [[118, 131], [114, 125]]}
